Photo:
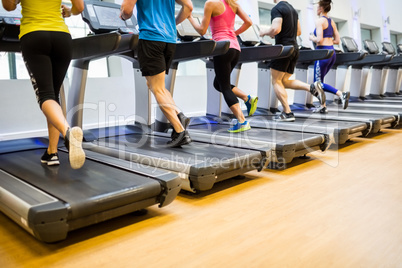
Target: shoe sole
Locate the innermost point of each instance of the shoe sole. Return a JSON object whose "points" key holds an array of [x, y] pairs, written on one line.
{"points": [[345, 105], [240, 129], [285, 120], [253, 106], [50, 163], [76, 154]]}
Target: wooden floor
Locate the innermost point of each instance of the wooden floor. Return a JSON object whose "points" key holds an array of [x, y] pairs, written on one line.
{"points": [[338, 209]]}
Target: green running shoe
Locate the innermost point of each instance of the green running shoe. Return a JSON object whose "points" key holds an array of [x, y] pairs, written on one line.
{"points": [[239, 127], [251, 104]]}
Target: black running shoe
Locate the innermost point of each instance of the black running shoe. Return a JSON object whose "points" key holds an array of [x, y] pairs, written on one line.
{"points": [[317, 91], [184, 120], [73, 143], [345, 99], [50, 159], [321, 110], [179, 139], [285, 117]]}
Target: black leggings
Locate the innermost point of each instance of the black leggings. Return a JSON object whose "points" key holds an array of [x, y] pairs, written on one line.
{"points": [[223, 65], [47, 56]]}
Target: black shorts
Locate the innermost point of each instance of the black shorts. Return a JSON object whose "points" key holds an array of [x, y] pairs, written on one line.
{"points": [[155, 57], [286, 65]]}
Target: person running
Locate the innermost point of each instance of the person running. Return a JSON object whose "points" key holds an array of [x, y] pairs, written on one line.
{"points": [[46, 47], [220, 16], [325, 36], [156, 48], [285, 28]]}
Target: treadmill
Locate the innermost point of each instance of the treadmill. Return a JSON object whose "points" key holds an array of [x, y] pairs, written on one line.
{"points": [[340, 130], [263, 118], [301, 109], [284, 145], [50, 201], [384, 77], [359, 73], [199, 165]]}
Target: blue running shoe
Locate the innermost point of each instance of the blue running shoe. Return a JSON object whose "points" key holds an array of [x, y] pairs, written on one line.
{"points": [[251, 104], [239, 127]]}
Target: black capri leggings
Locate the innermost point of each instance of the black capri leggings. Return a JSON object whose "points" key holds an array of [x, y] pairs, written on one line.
{"points": [[223, 65], [47, 56]]}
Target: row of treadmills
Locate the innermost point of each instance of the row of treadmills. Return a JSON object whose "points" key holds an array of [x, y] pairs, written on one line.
{"points": [[129, 168]]}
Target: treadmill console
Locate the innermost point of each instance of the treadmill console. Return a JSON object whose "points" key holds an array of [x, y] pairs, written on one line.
{"points": [[103, 17], [371, 47], [10, 24], [186, 31], [249, 37], [388, 48], [399, 48], [349, 44]]}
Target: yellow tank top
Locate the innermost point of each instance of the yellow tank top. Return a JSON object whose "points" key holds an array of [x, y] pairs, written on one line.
{"points": [[41, 15]]}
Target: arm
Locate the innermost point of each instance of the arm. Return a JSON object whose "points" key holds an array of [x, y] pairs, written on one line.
{"points": [[337, 38], [246, 20], [276, 28], [10, 5], [298, 28], [76, 9], [126, 9], [185, 11], [203, 27]]}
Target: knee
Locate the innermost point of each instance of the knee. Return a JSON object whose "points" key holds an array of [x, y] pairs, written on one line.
{"points": [[156, 90], [216, 86], [277, 83]]}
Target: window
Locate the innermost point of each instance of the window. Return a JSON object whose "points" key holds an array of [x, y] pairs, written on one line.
{"points": [[12, 65], [198, 6], [394, 40], [366, 34], [265, 21], [265, 16]]}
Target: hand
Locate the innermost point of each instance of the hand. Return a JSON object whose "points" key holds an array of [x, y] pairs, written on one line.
{"points": [[125, 16], [126, 9], [312, 37], [65, 11]]}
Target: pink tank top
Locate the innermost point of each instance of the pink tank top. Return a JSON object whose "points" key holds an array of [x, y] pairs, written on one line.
{"points": [[222, 27]]}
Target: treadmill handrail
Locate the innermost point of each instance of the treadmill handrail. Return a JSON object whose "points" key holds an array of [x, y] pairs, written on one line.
{"points": [[313, 55], [259, 53], [341, 58], [369, 60]]}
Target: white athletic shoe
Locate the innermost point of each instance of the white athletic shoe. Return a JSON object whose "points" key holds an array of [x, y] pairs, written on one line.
{"points": [[73, 142]]}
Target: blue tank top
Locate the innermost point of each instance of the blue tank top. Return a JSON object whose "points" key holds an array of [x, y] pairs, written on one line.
{"points": [[156, 20], [329, 32]]}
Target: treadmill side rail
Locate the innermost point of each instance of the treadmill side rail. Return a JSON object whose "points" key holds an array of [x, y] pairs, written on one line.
{"points": [[42, 215], [170, 189]]}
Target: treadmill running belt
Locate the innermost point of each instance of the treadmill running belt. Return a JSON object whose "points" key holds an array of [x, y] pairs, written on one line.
{"points": [[93, 188]]}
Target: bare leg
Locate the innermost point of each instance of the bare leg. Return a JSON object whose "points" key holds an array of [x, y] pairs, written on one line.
{"points": [[240, 94], [280, 90], [54, 136], [294, 84], [237, 112], [165, 101], [56, 120]]}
